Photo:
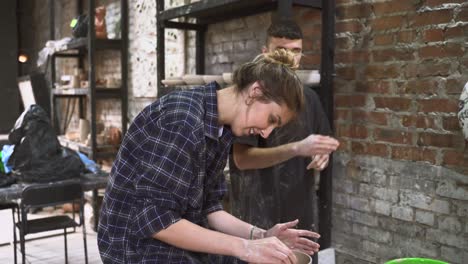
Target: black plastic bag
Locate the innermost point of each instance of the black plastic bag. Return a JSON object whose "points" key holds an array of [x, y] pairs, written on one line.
{"points": [[38, 156], [80, 29]]}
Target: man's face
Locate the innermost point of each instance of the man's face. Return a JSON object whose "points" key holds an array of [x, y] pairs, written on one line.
{"points": [[294, 45]]}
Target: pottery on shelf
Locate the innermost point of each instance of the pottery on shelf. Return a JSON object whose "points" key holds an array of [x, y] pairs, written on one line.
{"points": [[227, 77], [193, 79]]}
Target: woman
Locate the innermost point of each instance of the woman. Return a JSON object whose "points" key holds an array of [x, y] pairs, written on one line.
{"points": [[162, 203]]}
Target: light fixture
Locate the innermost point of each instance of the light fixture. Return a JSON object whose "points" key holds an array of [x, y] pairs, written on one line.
{"points": [[22, 58]]}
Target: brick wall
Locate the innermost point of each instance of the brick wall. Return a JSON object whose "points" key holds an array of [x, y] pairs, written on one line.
{"points": [[400, 179]]}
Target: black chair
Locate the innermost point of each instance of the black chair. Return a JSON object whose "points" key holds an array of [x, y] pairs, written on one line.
{"points": [[44, 195], [14, 208]]}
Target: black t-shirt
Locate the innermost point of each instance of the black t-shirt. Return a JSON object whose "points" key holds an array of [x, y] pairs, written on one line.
{"points": [[283, 192]]}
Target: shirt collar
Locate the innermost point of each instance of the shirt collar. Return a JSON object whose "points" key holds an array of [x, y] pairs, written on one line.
{"points": [[211, 114]]}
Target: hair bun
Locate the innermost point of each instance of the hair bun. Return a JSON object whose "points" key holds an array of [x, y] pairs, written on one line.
{"points": [[283, 57]]}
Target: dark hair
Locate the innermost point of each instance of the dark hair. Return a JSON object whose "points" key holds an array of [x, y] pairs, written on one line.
{"points": [[275, 73], [284, 29]]}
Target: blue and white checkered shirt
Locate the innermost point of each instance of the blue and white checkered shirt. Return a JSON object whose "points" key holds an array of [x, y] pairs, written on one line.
{"points": [[169, 166]]}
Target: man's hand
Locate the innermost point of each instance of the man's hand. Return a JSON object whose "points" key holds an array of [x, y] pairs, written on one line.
{"points": [[319, 162], [294, 238], [316, 145]]}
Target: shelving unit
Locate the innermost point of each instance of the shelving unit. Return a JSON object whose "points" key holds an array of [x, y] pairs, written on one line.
{"points": [[81, 48], [206, 12]]}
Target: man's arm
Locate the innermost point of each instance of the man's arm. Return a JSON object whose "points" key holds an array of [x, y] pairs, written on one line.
{"points": [[247, 157]]}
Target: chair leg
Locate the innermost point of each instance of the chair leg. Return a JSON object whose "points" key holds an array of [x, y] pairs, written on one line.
{"points": [[14, 235], [23, 250], [65, 240], [84, 243]]}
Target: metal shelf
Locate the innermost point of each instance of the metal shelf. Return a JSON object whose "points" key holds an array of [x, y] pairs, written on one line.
{"points": [[210, 11], [101, 92], [82, 43]]}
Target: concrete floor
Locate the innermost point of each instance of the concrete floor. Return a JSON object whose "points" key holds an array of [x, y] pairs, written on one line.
{"points": [[49, 250]]}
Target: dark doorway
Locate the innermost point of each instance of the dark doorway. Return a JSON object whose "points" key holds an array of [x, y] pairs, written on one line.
{"points": [[9, 95]]}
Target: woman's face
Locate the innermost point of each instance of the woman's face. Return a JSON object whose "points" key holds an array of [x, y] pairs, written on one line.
{"points": [[260, 118]]}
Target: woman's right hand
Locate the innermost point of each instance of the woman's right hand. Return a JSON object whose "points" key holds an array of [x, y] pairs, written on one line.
{"points": [[266, 250]]}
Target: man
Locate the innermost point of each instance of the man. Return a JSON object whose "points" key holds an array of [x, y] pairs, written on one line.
{"points": [[271, 179]]}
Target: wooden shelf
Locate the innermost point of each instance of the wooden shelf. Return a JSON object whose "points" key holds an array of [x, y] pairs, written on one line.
{"points": [[211, 11]]}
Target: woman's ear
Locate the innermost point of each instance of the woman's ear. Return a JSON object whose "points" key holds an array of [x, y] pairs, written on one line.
{"points": [[255, 90]]}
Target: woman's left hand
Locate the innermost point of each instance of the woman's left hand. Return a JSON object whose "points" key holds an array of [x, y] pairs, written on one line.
{"points": [[295, 238]]}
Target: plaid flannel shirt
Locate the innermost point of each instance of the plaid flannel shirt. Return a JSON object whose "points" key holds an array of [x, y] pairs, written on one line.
{"points": [[169, 166]]}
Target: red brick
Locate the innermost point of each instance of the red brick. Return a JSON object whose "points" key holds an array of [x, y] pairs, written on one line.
{"points": [[441, 51], [388, 8], [451, 123], [392, 54], [312, 31], [351, 26], [420, 86], [383, 39], [434, 3], [382, 71], [352, 57], [341, 114], [347, 73], [393, 103], [355, 131], [372, 149], [385, 23], [406, 36], [438, 105], [432, 18], [392, 136], [381, 87], [425, 122], [310, 60], [342, 86], [463, 15], [311, 15], [353, 11], [455, 86], [427, 68], [438, 140], [376, 149], [358, 148], [455, 32], [360, 116], [414, 154], [356, 100], [455, 158], [432, 35], [358, 131]]}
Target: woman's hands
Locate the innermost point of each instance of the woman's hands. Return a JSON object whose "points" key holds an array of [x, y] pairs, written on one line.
{"points": [[294, 238], [267, 250]]}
